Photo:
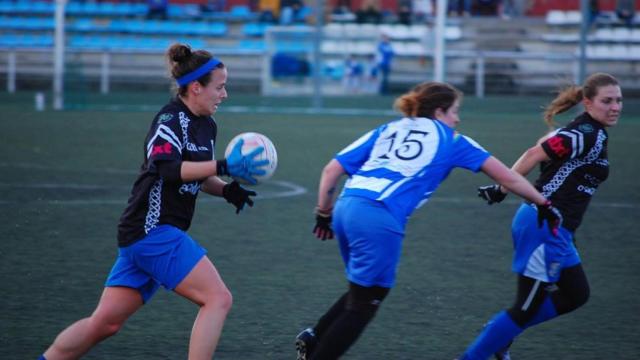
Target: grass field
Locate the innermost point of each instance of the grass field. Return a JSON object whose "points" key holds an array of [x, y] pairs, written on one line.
{"points": [[65, 177]]}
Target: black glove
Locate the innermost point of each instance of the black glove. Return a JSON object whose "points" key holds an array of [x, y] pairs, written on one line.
{"points": [[237, 195], [551, 214], [491, 193], [323, 230]]}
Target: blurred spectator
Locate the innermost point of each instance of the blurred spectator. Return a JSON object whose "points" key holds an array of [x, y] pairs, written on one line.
{"points": [[369, 13], [422, 9], [626, 11], [213, 6], [269, 11], [487, 7], [384, 59], [371, 71], [506, 9], [462, 7], [405, 13], [289, 10], [594, 11], [342, 12], [353, 71], [157, 9]]}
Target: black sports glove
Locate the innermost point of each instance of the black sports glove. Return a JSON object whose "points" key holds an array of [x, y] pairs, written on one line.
{"points": [[323, 230], [491, 193], [237, 195], [551, 214]]}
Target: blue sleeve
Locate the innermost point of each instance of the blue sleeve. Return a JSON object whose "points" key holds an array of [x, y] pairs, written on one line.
{"points": [[353, 156], [468, 153]]}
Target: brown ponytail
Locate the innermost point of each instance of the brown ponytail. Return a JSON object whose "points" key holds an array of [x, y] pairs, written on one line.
{"points": [[424, 99]]}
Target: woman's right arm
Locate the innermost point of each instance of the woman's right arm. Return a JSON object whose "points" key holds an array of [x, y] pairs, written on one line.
{"points": [[197, 170], [328, 182], [326, 194], [512, 180]]}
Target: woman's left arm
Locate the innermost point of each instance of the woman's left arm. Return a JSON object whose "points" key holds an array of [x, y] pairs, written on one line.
{"points": [[213, 185], [529, 159]]}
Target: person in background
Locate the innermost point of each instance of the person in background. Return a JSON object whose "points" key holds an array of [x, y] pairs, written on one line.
{"points": [[573, 163], [461, 7], [384, 58], [153, 246], [369, 13], [626, 11], [405, 12], [393, 170], [158, 9], [353, 73]]}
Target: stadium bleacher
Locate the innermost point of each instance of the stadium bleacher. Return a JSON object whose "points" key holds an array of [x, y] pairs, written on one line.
{"points": [[122, 27]]}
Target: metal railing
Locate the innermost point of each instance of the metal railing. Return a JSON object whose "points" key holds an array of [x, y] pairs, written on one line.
{"points": [[103, 66]]}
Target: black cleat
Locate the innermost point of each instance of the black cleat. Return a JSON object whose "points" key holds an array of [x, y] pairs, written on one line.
{"points": [[305, 342]]}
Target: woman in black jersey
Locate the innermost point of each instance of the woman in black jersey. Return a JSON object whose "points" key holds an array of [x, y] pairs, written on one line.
{"points": [[154, 248], [573, 162]]}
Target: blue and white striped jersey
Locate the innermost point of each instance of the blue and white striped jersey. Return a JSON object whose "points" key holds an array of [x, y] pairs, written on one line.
{"points": [[403, 162]]}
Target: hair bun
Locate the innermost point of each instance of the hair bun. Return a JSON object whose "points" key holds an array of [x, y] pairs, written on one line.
{"points": [[179, 53]]}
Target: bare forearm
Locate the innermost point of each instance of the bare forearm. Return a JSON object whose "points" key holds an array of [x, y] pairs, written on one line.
{"points": [[511, 180], [197, 170], [328, 184], [213, 186]]}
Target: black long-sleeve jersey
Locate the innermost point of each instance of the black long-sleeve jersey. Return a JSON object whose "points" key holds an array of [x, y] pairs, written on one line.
{"points": [[176, 135], [578, 165]]}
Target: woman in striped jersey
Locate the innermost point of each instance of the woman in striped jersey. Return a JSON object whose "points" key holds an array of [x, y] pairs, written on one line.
{"points": [[392, 170]]}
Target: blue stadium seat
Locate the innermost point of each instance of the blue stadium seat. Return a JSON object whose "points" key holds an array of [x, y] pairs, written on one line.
{"points": [[40, 7], [6, 7], [252, 46], [241, 13], [9, 41], [254, 29]]}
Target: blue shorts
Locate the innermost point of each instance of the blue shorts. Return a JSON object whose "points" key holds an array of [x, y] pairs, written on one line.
{"points": [[164, 257], [538, 254], [370, 241]]}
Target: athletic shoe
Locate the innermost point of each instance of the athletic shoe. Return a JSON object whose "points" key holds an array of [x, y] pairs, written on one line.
{"points": [[305, 342]]}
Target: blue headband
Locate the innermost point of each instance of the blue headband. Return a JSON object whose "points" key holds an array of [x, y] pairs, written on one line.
{"points": [[197, 73]]}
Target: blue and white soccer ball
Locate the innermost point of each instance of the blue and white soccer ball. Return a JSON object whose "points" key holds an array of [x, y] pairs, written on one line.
{"points": [[253, 140]]}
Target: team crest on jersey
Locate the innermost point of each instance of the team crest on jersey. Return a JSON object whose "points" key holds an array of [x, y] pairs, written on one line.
{"points": [[586, 128], [164, 118]]}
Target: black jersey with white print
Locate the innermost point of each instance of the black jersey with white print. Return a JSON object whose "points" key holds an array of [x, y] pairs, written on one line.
{"points": [[176, 135], [578, 165]]}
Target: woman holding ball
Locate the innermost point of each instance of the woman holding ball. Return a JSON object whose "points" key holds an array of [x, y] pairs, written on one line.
{"points": [[154, 248]]}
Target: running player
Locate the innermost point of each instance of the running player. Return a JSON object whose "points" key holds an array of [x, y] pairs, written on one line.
{"points": [[392, 170], [574, 163], [154, 248]]}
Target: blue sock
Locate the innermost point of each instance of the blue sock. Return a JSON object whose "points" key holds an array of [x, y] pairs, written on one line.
{"points": [[495, 336], [546, 312], [42, 357]]}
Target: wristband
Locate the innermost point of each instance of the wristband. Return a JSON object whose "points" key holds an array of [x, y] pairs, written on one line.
{"points": [[221, 167]]}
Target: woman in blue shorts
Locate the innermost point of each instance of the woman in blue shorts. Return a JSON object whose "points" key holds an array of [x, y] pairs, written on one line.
{"points": [[573, 163], [154, 248], [392, 170]]}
